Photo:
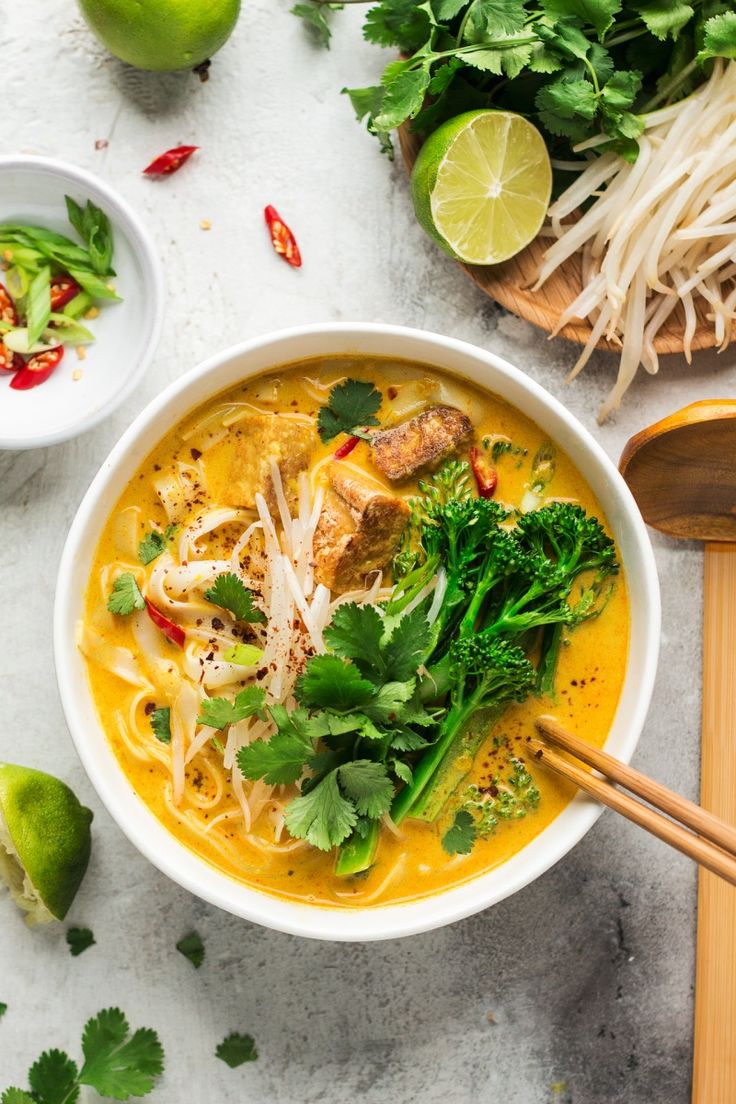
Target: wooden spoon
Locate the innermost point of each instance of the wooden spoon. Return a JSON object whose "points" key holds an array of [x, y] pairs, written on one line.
{"points": [[682, 472]]}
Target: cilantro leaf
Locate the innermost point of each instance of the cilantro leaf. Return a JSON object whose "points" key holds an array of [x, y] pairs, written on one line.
{"points": [[3, 1008], [116, 1063], [323, 816], [406, 740], [125, 595], [387, 704], [567, 99], [494, 18], [403, 98], [220, 712], [408, 644], [161, 724], [237, 1049], [192, 947], [664, 18], [230, 593], [368, 786], [278, 761], [152, 545], [351, 404], [402, 771], [330, 683], [402, 23], [598, 14], [459, 839], [17, 1096], [53, 1078], [448, 9], [720, 37], [314, 16], [355, 633], [79, 940]]}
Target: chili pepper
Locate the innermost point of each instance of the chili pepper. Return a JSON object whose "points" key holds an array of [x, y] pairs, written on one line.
{"points": [[170, 162], [63, 290], [175, 633], [282, 238], [9, 362], [37, 370], [486, 476], [8, 313], [345, 448]]}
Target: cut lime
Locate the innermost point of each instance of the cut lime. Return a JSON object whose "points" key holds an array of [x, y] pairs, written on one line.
{"points": [[45, 842], [481, 185]]}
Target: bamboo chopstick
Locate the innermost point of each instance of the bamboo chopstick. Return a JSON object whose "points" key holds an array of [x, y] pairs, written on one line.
{"points": [[705, 838]]}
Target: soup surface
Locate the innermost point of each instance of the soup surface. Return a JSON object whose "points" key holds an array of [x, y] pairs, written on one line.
{"points": [[190, 517]]}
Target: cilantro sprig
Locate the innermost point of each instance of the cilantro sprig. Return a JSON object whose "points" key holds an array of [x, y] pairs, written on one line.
{"points": [[574, 67], [192, 947], [161, 724], [125, 595], [79, 940], [154, 543], [221, 712], [236, 1049], [352, 405], [230, 593], [116, 1064]]}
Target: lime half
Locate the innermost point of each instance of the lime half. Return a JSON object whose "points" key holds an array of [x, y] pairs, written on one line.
{"points": [[45, 842], [481, 185]]}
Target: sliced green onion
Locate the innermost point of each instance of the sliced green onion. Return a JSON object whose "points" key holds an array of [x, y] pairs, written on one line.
{"points": [[38, 304], [78, 305], [246, 655], [96, 286], [17, 341], [70, 330], [16, 281]]}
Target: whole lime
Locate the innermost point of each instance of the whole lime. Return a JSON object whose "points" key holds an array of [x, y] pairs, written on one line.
{"points": [[162, 34], [45, 841]]}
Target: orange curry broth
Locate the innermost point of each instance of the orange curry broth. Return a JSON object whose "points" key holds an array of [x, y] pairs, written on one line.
{"points": [[589, 679]]}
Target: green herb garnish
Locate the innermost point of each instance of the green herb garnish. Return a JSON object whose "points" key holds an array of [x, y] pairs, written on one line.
{"points": [[125, 595], [161, 724], [192, 947], [351, 406], [3, 1008], [219, 712], [116, 1064], [230, 593], [79, 940], [237, 1049], [154, 543], [460, 837]]}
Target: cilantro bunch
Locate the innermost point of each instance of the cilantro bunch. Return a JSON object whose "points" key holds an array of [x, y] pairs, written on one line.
{"points": [[576, 68]]}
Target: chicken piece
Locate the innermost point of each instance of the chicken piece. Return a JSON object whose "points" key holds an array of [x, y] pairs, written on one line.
{"points": [[267, 437], [358, 531], [420, 444]]}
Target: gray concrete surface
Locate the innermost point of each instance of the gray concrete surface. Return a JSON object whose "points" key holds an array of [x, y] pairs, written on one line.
{"points": [[579, 989]]}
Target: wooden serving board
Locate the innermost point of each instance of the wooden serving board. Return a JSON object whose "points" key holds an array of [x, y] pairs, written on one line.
{"points": [[510, 285]]}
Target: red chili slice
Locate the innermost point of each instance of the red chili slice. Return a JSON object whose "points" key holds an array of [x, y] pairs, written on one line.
{"points": [[9, 362], [170, 629], [282, 238], [63, 290], [486, 476], [37, 370], [345, 448], [170, 162], [8, 313]]}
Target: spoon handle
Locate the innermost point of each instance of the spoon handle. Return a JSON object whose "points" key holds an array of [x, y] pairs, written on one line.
{"points": [[714, 1060]]}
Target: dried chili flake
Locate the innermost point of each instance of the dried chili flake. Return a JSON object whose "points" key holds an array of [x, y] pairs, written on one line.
{"points": [[282, 238]]}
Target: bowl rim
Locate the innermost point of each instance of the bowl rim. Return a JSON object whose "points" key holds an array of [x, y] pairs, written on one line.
{"points": [[120, 211], [174, 858]]}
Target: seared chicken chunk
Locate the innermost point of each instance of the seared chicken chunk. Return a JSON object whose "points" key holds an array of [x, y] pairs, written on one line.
{"points": [[268, 437], [420, 444], [358, 531]]}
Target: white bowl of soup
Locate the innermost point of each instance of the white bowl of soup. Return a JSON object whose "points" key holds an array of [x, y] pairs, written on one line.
{"points": [[308, 612]]}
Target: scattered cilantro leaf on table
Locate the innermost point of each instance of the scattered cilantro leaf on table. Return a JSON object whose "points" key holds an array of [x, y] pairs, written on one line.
{"points": [[79, 940], [230, 593], [161, 724], [237, 1049], [352, 405], [460, 837], [116, 1064], [219, 712], [3, 1008], [125, 595], [192, 947]]}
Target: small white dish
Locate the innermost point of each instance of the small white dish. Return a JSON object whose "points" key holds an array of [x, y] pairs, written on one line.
{"points": [[241, 363], [32, 191]]}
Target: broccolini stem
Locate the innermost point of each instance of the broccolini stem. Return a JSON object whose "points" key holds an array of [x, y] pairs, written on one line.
{"points": [[548, 659], [358, 852]]}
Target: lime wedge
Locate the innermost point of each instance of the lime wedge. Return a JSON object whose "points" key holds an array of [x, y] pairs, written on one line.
{"points": [[45, 842], [481, 185]]}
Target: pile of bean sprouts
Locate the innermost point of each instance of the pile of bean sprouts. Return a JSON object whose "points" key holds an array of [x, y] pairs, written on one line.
{"points": [[659, 233]]}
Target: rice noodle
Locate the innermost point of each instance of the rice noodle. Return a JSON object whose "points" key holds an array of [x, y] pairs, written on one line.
{"points": [[661, 235]]}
